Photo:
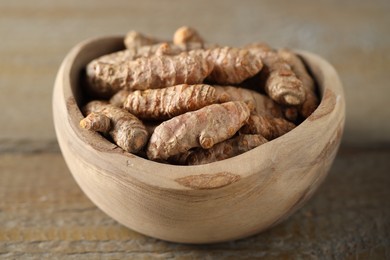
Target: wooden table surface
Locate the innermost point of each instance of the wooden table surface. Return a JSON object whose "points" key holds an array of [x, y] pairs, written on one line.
{"points": [[45, 215]]}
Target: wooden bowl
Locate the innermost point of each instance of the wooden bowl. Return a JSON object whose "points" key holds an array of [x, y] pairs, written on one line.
{"points": [[209, 203]]}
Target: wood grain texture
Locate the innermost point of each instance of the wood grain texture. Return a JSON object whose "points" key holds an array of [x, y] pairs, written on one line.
{"points": [[44, 215], [208, 181], [271, 180]]}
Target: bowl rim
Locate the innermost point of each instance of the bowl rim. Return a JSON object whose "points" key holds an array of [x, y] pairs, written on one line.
{"points": [[206, 176]]}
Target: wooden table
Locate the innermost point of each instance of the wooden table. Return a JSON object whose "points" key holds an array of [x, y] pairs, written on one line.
{"points": [[44, 214]]}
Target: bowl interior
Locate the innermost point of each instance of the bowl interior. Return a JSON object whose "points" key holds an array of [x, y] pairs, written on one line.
{"points": [[218, 174]]}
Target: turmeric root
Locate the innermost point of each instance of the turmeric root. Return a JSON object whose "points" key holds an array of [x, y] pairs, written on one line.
{"points": [[150, 126], [157, 71], [267, 126], [266, 106], [201, 128], [298, 67], [290, 113], [113, 58], [96, 122], [185, 35], [241, 94], [129, 54], [223, 150], [281, 84], [156, 80], [119, 98], [126, 130], [266, 115], [231, 93], [256, 102], [233, 65], [259, 46], [110, 73], [169, 102], [145, 51], [134, 40], [312, 101]]}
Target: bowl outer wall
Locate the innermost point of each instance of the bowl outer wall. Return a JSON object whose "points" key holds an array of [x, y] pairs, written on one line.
{"points": [[221, 201]]}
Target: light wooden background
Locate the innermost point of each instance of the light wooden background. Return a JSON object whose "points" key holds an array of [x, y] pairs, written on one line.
{"points": [[353, 35], [43, 214]]}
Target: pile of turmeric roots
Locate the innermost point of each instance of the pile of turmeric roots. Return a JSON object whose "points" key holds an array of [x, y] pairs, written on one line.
{"points": [[189, 102]]}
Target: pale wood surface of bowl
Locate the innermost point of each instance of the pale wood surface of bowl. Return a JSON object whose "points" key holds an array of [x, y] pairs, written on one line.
{"points": [[221, 201]]}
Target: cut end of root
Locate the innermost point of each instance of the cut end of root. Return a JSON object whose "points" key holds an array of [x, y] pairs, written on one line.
{"points": [[84, 124], [207, 142], [91, 70], [291, 100], [185, 35]]}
